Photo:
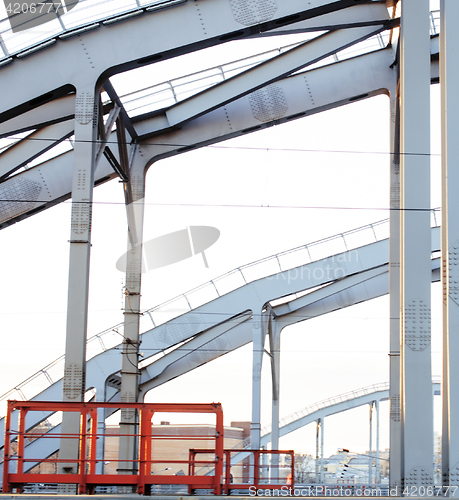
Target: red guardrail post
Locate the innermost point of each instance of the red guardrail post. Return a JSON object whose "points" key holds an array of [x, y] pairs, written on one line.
{"points": [[92, 441], [191, 468], [6, 448], [228, 471], [21, 431], [292, 454], [144, 449], [256, 469], [219, 446], [82, 457]]}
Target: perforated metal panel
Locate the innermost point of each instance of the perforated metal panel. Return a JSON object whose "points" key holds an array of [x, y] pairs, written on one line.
{"points": [[15, 190], [84, 108], [453, 273], [80, 217], [207, 351], [345, 298], [268, 103], [395, 195], [128, 414], [73, 381], [250, 12], [395, 407], [417, 325]]}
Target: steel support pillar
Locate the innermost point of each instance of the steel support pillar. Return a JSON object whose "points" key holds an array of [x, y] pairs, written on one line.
{"points": [[86, 116], [129, 370], [322, 421], [258, 339], [100, 450], [370, 447], [449, 81], [417, 413], [274, 332], [317, 451], [395, 475], [378, 469]]}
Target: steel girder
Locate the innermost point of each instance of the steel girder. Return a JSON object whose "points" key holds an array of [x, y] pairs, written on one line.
{"points": [[263, 74], [32, 146], [450, 235], [53, 178], [344, 296], [133, 43]]}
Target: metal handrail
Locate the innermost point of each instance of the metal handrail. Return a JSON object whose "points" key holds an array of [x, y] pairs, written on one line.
{"points": [[326, 403], [217, 287], [95, 12]]}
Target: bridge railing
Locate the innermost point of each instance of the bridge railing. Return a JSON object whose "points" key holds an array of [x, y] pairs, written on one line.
{"points": [[84, 14], [203, 294], [326, 403]]}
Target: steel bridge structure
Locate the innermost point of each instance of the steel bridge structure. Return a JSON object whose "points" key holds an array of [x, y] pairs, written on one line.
{"points": [[353, 50]]}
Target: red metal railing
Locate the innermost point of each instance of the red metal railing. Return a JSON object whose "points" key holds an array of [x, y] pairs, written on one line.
{"points": [[86, 477], [257, 473]]}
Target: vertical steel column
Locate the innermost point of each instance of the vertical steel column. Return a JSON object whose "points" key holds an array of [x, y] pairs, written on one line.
{"points": [[417, 413], [322, 421], [131, 342], [378, 468], [317, 451], [274, 331], [100, 444], [395, 474], [258, 339], [86, 116], [370, 446], [275, 363], [449, 81]]}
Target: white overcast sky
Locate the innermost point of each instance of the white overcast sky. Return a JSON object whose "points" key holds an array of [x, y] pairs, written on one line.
{"points": [[341, 167]]}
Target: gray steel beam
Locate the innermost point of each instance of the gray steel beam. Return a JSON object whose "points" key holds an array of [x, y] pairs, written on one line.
{"points": [[132, 312], [260, 76], [274, 347], [417, 404], [346, 18], [32, 146], [341, 285], [449, 81], [329, 87], [74, 382], [108, 87], [177, 363], [226, 335], [180, 30], [395, 478], [56, 111], [344, 296], [258, 348], [378, 471]]}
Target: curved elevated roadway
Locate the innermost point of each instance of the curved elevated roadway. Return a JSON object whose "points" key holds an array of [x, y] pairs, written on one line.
{"points": [[363, 275]]}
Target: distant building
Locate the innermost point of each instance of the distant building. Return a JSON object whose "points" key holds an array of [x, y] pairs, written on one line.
{"points": [[171, 445], [348, 468]]}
